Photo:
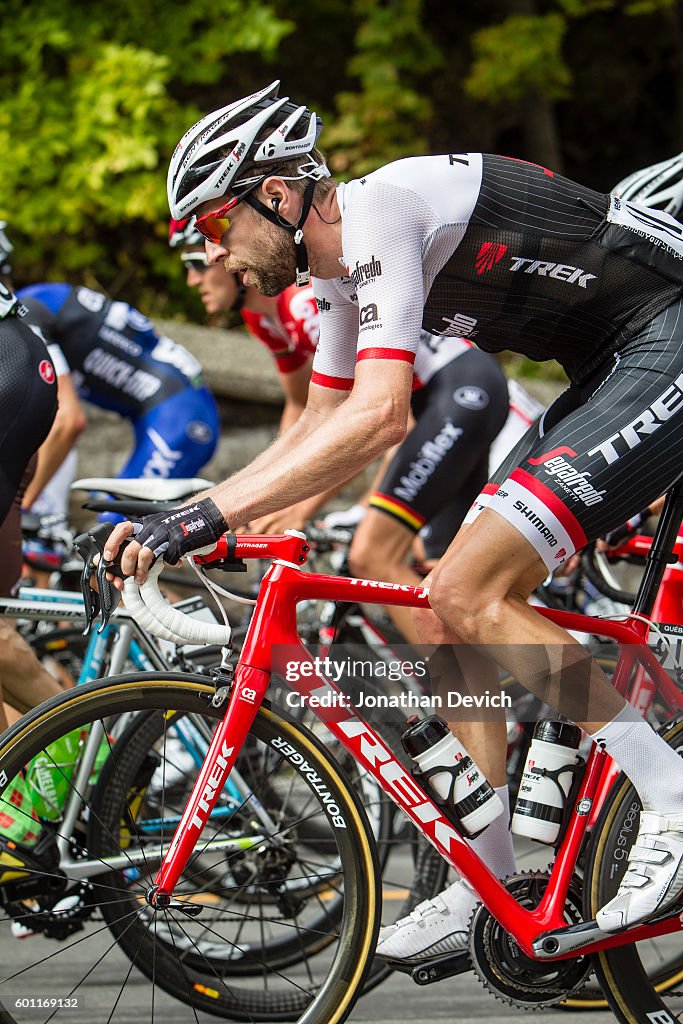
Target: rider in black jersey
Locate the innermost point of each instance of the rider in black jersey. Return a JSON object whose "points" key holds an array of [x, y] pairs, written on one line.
{"points": [[28, 402], [510, 255]]}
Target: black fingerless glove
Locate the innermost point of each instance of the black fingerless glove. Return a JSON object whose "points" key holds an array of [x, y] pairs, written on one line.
{"points": [[174, 534]]}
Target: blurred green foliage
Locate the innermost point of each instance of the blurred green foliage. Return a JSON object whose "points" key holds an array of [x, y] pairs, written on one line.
{"points": [[93, 98]]}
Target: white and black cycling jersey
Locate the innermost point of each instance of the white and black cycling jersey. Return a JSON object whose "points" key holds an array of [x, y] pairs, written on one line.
{"points": [[495, 250]]}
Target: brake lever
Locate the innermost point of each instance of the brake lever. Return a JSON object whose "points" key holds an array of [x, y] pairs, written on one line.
{"points": [[105, 599]]}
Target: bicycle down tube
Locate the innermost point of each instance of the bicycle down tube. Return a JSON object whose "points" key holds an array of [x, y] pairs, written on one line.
{"points": [[273, 625]]}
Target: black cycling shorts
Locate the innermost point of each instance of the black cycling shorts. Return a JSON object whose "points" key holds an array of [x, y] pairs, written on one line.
{"points": [[443, 462], [602, 451], [28, 403]]}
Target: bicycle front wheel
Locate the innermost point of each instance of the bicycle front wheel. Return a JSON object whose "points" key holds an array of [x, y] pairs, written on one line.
{"points": [[264, 869], [643, 983]]}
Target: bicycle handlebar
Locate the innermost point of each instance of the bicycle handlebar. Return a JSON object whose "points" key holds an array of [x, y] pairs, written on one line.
{"points": [[150, 608], [146, 602]]}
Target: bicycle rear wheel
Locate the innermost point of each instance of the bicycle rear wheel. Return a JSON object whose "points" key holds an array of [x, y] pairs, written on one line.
{"points": [[643, 983], [258, 870]]}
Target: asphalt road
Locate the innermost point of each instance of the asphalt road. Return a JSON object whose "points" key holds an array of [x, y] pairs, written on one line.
{"points": [[114, 991]]}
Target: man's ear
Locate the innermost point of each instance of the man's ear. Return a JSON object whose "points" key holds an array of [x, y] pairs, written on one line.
{"points": [[277, 196]]}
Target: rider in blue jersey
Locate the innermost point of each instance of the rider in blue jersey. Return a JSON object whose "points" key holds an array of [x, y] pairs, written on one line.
{"points": [[108, 354]]}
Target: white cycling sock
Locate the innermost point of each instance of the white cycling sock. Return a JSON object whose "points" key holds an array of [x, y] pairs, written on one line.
{"points": [[494, 845], [654, 768]]}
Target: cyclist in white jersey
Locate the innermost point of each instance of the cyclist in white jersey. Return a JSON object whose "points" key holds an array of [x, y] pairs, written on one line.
{"points": [[509, 255], [459, 400]]}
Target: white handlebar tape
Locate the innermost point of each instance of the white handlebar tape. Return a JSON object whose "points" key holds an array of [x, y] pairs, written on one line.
{"points": [[153, 612]]}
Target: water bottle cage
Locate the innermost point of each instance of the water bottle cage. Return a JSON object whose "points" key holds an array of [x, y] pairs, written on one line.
{"points": [[567, 801], [554, 775], [446, 803]]}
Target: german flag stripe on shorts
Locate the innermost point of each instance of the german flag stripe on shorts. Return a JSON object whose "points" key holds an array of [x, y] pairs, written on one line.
{"points": [[404, 513]]}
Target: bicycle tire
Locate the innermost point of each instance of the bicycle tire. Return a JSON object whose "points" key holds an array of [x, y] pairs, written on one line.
{"points": [[639, 989], [322, 999]]}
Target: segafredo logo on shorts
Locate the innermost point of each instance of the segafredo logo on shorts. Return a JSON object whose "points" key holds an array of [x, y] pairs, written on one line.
{"points": [[569, 479], [558, 271], [647, 422], [364, 273], [430, 455]]}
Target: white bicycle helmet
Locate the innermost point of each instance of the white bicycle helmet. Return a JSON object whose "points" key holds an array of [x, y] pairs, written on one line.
{"points": [[6, 249], [659, 186], [259, 129]]}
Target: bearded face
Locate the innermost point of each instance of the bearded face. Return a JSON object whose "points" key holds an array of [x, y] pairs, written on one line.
{"points": [[273, 267]]}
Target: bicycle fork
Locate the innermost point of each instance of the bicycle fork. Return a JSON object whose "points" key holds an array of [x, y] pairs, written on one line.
{"points": [[247, 693]]}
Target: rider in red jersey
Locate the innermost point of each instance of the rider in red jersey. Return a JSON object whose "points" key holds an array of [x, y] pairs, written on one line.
{"points": [[286, 324]]}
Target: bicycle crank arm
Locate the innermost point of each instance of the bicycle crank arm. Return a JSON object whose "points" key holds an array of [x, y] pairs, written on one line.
{"points": [[565, 941], [426, 972]]}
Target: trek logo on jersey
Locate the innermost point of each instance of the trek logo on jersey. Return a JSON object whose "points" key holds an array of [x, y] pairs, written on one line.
{"points": [[487, 257], [368, 317], [570, 480], [365, 273], [558, 271], [46, 371], [647, 422], [430, 455], [458, 326], [323, 305], [92, 301]]}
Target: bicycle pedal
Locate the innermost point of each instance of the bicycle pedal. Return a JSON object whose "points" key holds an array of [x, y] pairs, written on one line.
{"points": [[426, 972]]}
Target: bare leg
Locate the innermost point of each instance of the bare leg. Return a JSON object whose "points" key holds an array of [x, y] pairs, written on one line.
{"points": [[24, 682], [480, 589], [378, 552]]}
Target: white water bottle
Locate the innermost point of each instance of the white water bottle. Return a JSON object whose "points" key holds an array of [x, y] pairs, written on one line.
{"points": [[445, 768], [546, 781]]}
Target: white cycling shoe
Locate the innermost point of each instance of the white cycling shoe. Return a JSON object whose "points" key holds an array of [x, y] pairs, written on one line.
{"points": [[654, 878], [436, 927]]}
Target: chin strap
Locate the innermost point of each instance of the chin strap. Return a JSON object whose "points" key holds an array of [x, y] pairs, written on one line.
{"points": [[303, 272]]}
